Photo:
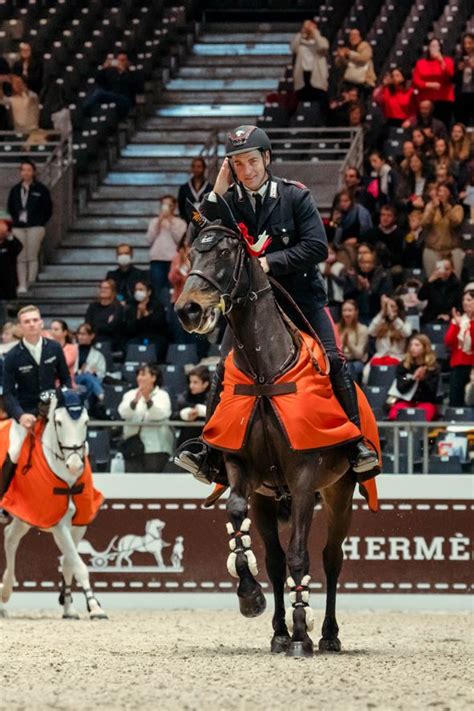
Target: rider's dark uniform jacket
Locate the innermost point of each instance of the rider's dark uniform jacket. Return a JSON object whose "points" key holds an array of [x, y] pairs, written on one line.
{"points": [[289, 215], [24, 379]]}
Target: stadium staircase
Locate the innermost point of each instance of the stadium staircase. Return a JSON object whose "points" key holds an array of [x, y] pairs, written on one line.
{"points": [[222, 82]]}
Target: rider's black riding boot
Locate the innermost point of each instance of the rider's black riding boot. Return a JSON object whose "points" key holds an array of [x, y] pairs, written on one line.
{"points": [[206, 464], [364, 459], [7, 474]]}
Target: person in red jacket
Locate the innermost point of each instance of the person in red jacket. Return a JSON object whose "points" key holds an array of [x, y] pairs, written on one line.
{"points": [[396, 99], [459, 339], [433, 77]]}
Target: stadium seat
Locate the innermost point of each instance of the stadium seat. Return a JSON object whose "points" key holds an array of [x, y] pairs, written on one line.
{"points": [[106, 349], [129, 373], [99, 449], [388, 463], [411, 413], [382, 375], [445, 465], [140, 354], [377, 397], [459, 414], [174, 380], [435, 331], [113, 395], [182, 354]]}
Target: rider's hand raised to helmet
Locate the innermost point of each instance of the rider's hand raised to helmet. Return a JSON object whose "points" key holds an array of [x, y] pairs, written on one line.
{"points": [[224, 179]]}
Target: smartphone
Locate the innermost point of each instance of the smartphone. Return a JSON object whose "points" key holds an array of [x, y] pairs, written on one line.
{"points": [[440, 265]]}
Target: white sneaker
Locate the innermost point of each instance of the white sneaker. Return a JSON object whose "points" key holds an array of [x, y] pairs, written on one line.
{"points": [[22, 290]]}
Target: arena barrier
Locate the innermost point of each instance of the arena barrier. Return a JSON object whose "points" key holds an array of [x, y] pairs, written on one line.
{"points": [[154, 545]]}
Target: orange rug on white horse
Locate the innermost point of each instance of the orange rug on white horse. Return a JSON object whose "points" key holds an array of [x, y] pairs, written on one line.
{"points": [[38, 496]]}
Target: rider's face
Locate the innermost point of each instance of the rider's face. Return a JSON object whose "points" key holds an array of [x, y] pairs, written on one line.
{"points": [[31, 324], [251, 169]]}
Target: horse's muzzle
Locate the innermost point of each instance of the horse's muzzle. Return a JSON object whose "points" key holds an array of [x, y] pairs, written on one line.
{"points": [[190, 314]]}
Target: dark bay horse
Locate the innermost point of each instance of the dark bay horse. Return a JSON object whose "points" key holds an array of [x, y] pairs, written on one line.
{"points": [[224, 277]]}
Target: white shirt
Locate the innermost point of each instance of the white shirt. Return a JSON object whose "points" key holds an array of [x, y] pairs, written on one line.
{"points": [[34, 349], [306, 51], [250, 193]]}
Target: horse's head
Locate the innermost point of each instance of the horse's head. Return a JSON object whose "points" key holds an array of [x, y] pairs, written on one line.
{"points": [[218, 278], [68, 421]]}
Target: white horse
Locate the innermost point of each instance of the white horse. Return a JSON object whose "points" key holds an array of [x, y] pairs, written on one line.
{"points": [[64, 447]]}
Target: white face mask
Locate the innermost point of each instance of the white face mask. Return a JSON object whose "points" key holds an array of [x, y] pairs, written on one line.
{"points": [[140, 295], [124, 260]]}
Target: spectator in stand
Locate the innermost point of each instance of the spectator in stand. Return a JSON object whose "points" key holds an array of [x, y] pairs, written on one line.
{"points": [[390, 330], [423, 144], [24, 107], [145, 320], [191, 405], [164, 235], [30, 68], [413, 242], [459, 339], [409, 294], [106, 314], [442, 219], [352, 181], [195, 189], [332, 271], [11, 335], [179, 269], [350, 219], [460, 147], [340, 106], [366, 285], [413, 191], [433, 78], [354, 338], [90, 369], [387, 238], [356, 62], [426, 122], [30, 206], [442, 291], [310, 69], [117, 84], [418, 367], [408, 150], [60, 333], [148, 403], [10, 248], [396, 99], [441, 152], [5, 91], [385, 185], [126, 275], [464, 81]]}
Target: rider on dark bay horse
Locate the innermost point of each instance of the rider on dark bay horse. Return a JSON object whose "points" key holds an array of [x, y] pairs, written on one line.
{"points": [[286, 211]]}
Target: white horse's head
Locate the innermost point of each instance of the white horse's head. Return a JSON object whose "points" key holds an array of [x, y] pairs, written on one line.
{"points": [[66, 431]]}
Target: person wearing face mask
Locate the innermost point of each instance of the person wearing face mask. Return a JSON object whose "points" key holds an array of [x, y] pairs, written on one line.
{"points": [[145, 320], [126, 275], [164, 235]]}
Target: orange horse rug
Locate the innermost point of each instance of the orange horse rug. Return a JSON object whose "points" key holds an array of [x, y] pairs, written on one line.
{"points": [[39, 497], [304, 403]]}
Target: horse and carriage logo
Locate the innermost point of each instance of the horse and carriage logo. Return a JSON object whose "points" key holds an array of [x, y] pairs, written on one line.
{"points": [[117, 556]]}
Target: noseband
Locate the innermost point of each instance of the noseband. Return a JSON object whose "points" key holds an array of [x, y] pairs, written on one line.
{"points": [[78, 449], [229, 293]]}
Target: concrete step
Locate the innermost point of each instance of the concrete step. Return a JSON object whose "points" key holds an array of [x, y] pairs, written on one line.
{"points": [[262, 61], [252, 28], [71, 273], [225, 98], [178, 136], [131, 208], [134, 192], [114, 224], [90, 240], [146, 178], [247, 37], [153, 163], [210, 123], [51, 292], [214, 110], [233, 72], [204, 85], [98, 254], [246, 49]]}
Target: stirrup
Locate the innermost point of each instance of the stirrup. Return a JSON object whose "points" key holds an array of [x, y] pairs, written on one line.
{"points": [[367, 464], [194, 462]]}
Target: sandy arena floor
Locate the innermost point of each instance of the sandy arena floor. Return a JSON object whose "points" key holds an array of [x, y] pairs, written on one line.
{"points": [[219, 660]]}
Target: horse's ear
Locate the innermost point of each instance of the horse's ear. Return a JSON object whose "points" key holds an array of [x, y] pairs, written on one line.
{"points": [[226, 215], [195, 217]]}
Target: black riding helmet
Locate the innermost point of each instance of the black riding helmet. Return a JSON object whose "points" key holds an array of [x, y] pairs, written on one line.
{"points": [[247, 138]]}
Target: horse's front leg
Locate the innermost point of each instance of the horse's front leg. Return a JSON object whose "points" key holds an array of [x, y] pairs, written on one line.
{"points": [[264, 510], [338, 505], [13, 534], [241, 562], [299, 617], [65, 595]]}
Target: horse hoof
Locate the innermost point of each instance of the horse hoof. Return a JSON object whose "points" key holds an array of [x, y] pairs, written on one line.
{"points": [[253, 606], [69, 616], [99, 616], [280, 643], [300, 649], [330, 645]]}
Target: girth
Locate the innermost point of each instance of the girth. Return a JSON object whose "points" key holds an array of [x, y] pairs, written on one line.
{"points": [[265, 390], [68, 491]]}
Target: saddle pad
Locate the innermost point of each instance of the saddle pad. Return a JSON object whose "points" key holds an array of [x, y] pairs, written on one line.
{"points": [[39, 497], [310, 416]]}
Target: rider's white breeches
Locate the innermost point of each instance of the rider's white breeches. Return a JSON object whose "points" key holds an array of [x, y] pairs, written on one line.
{"points": [[17, 437]]}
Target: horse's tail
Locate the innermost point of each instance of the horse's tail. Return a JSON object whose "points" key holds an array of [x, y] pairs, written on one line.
{"points": [[284, 509]]}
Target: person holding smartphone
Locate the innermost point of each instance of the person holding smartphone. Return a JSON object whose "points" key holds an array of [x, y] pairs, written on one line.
{"points": [[164, 235]]}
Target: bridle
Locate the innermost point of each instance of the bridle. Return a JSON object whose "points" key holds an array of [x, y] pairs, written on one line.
{"points": [[65, 450], [230, 293]]}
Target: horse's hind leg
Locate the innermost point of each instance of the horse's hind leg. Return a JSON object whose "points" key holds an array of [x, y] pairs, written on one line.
{"points": [[64, 541], [241, 562], [13, 534], [338, 504], [264, 509], [65, 595]]}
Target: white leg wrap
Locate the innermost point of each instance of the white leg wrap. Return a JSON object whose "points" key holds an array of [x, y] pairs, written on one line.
{"points": [[309, 618], [289, 618], [245, 527], [299, 597], [232, 565], [252, 562]]}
